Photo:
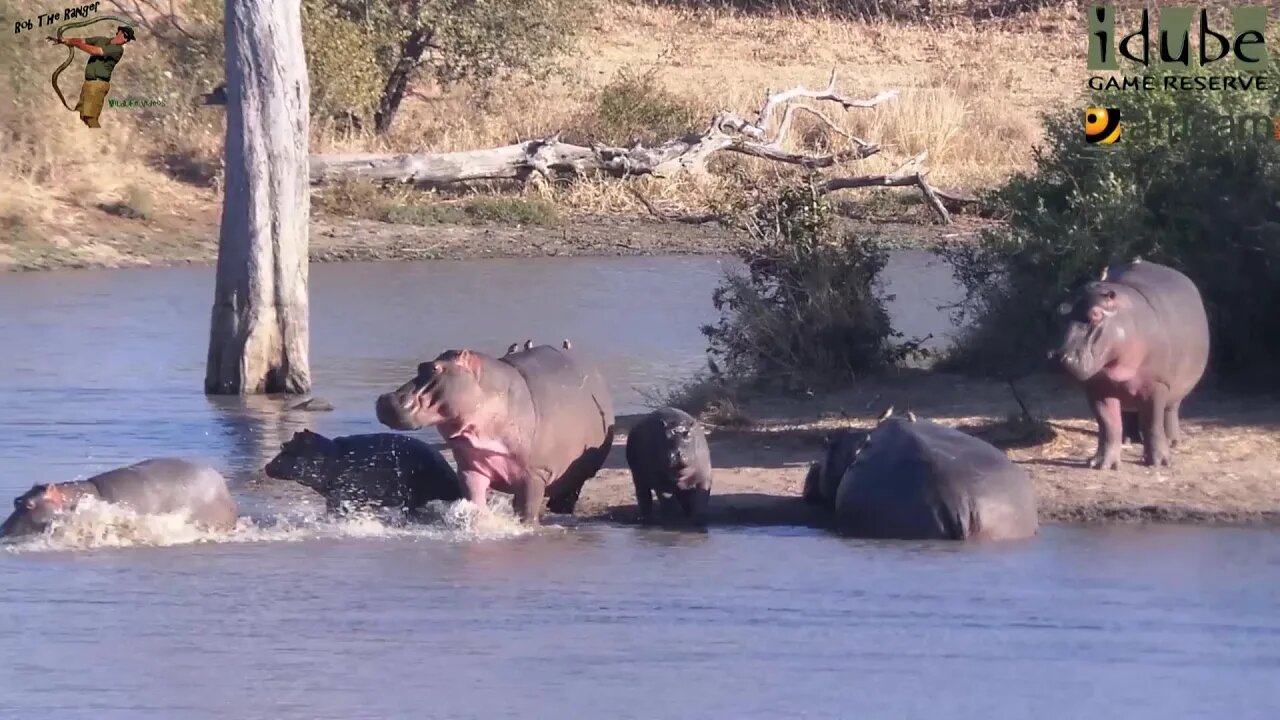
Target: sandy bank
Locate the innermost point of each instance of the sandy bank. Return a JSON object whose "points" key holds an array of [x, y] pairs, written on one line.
{"points": [[1228, 470]]}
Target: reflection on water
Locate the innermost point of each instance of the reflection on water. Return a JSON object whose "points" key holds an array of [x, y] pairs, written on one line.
{"points": [[294, 615]]}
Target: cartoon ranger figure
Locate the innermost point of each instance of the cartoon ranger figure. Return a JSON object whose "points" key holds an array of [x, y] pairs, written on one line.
{"points": [[104, 54]]}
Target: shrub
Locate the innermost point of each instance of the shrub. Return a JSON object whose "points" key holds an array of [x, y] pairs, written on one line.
{"points": [[805, 311], [634, 106], [1202, 201]]}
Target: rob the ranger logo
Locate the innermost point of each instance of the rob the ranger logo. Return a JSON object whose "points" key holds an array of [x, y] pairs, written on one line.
{"points": [[1101, 125]]}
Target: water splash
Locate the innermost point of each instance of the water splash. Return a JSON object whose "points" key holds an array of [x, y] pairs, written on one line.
{"points": [[97, 524]]}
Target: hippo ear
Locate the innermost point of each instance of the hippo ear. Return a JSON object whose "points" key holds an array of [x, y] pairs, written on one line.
{"points": [[911, 417], [1064, 308], [1102, 277], [470, 361], [54, 495]]}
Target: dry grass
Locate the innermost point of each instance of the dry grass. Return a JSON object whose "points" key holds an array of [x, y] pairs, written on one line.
{"points": [[970, 95]]}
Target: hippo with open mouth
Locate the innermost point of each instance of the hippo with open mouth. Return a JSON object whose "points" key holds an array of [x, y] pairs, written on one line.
{"points": [[1136, 339], [914, 479], [536, 423], [152, 487]]}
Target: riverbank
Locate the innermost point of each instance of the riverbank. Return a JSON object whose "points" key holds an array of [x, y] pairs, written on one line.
{"points": [[1226, 471], [191, 237]]}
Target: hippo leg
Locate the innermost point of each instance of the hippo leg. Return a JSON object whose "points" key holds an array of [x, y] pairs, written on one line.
{"points": [[1172, 431], [644, 497], [1107, 411], [477, 486], [1155, 451], [528, 497]]}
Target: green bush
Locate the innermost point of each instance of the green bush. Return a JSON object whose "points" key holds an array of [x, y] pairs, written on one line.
{"points": [[342, 63], [805, 311], [1203, 201], [634, 106]]}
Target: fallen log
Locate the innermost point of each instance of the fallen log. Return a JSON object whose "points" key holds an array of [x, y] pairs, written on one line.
{"points": [[550, 158]]}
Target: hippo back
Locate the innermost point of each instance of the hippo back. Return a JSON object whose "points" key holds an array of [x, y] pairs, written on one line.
{"points": [[1179, 342], [573, 411], [169, 485], [401, 467], [921, 480]]}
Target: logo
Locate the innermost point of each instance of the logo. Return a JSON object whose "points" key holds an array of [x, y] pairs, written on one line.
{"points": [[1180, 36], [1101, 125]]}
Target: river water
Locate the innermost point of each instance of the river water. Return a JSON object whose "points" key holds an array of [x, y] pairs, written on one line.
{"points": [[292, 616]]}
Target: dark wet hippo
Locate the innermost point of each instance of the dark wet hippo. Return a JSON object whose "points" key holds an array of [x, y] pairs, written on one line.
{"points": [[1137, 340], [668, 456], [823, 480], [358, 472], [914, 479], [151, 487], [536, 423]]}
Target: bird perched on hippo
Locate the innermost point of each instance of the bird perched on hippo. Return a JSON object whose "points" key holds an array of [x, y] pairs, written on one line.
{"points": [[1136, 339], [537, 422]]}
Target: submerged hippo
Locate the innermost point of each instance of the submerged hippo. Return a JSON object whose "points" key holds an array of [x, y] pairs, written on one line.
{"points": [[822, 482], [363, 471], [668, 456], [1137, 340], [914, 479], [151, 487], [537, 423]]}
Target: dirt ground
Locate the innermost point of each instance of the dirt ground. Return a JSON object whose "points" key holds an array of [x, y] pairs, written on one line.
{"points": [[191, 237], [1226, 471]]}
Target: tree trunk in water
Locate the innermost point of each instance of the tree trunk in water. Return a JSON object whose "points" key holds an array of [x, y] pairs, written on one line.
{"points": [[258, 337], [411, 51]]}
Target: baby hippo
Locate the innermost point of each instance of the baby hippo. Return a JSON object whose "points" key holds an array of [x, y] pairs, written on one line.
{"points": [[364, 471], [151, 487], [668, 455]]}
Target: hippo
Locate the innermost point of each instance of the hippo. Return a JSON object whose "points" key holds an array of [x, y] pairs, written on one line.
{"points": [[357, 472], [537, 423], [914, 479], [151, 487], [823, 480], [1137, 339], [668, 456]]}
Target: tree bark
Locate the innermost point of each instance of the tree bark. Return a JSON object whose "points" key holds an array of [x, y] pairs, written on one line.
{"points": [[259, 335], [411, 51]]}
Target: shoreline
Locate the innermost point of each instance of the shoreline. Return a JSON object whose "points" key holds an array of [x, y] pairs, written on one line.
{"points": [[173, 241], [1224, 474]]}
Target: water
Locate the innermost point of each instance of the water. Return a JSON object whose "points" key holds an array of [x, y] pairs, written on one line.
{"points": [[292, 616]]}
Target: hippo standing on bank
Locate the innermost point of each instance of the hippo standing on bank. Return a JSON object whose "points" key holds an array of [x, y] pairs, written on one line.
{"points": [[668, 456], [358, 472], [151, 487], [913, 479], [536, 423], [1136, 339]]}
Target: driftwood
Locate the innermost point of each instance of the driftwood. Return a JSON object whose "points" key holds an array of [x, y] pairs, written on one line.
{"points": [[550, 158]]}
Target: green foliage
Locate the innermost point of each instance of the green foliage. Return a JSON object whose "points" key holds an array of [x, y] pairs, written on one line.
{"points": [[805, 310], [470, 40], [477, 210], [342, 62], [636, 107], [1204, 202]]}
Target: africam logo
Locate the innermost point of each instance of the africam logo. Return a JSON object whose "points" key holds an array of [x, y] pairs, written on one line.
{"points": [[1101, 125]]}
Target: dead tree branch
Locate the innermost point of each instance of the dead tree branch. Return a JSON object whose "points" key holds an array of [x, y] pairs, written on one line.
{"points": [[910, 173], [550, 157]]}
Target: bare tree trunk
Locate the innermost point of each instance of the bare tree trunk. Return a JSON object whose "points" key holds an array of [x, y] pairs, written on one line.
{"points": [[258, 337], [411, 52]]}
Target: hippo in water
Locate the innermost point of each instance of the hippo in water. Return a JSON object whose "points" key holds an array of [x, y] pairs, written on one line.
{"points": [[914, 479], [151, 487], [668, 456], [362, 471], [535, 423], [1137, 340]]}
